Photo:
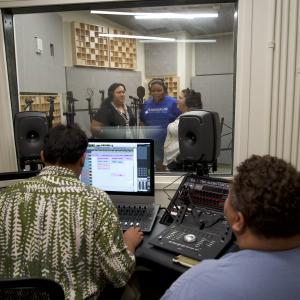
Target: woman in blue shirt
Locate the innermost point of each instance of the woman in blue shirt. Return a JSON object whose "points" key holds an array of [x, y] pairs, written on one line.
{"points": [[157, 112]]}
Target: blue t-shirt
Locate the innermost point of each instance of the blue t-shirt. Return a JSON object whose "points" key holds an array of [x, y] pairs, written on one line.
{"points": [[159, 115], [247, 275]]}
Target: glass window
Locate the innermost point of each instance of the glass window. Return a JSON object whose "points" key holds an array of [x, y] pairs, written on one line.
{"points": [[130, 73]]}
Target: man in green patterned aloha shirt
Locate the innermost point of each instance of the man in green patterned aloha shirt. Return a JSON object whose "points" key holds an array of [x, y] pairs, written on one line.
{"points": [[54, 226]]}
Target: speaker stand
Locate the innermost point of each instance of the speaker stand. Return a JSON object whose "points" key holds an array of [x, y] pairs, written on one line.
{"points": [[31, 164], [201, 169]]}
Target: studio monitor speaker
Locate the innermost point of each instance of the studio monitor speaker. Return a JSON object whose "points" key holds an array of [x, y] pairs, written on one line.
{"points": [[199, 136], [30, 129]]}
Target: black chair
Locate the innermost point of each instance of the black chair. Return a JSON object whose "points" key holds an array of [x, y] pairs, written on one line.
{"points": [[30, 288]]}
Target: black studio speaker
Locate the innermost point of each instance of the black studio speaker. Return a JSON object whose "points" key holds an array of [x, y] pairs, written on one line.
{"points": [[30, 129], [199, 136]]}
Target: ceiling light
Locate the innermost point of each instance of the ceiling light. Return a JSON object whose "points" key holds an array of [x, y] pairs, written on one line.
{"points": [[182, 41], [175, 16], [144, 16], [138, 37], [119, 13]]}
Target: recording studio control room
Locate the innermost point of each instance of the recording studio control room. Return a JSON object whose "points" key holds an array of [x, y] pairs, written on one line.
{"points": [[150, 149]]}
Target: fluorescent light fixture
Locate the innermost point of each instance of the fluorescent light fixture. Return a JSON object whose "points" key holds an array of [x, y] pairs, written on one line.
{"points": [[175, 16], [197, 41], [145, 16], [155, 39], [182, 41], [118, 13], [138, 37]]}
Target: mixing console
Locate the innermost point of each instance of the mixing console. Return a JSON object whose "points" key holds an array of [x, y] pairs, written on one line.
{"points": [[138, 215], [198, 228]]}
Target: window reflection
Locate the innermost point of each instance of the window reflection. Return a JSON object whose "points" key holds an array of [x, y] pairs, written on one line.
{"points": [[120, 75]]}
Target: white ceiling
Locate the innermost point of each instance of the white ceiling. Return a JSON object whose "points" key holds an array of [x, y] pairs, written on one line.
{"points": [[197, 27]]}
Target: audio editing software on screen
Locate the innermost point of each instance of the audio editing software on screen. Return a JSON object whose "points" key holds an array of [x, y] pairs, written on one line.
{"points": [[118, 166]]}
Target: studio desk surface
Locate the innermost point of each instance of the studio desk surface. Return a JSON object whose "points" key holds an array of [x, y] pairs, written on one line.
{"points": [[159, 259]]}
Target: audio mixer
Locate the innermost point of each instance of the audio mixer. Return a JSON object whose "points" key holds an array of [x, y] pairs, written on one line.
{"points": [[197, 226]]}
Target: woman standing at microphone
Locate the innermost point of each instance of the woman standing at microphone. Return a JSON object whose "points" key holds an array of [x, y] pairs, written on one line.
{"points": [[157, 112], [114, 112]]}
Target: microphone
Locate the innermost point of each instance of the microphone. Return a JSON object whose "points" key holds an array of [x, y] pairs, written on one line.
{"points": [[140, 91], [101, 92], [134, 98], [70, 97]]}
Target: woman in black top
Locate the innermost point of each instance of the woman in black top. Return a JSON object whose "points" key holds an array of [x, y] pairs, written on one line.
{"points": [[114, 113]]}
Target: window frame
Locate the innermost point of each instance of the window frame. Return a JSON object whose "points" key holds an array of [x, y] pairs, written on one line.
{"points": [[9, 40]]}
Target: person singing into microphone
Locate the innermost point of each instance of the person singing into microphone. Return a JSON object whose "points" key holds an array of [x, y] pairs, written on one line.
{"points": [[158, 111], [114, 112]]}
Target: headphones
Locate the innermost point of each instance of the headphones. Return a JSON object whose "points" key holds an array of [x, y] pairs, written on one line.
{"points": [[112, 88], [159, 81]]}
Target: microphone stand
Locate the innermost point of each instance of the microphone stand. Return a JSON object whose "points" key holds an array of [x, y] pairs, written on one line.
{"points": [[101, 92], [51, 111], [136, 104], [70, 108], [28, 102], [89, 100]]}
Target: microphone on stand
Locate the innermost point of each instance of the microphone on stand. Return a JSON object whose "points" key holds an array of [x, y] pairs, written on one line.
{"points": [[140, 91], [90, 93], [134, 98], [101, 92], [137, 103], [70, 108], [50, 117]]}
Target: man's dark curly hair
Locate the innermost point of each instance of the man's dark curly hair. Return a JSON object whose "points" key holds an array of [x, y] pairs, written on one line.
{"points": [[267, 191], [64, 144]]}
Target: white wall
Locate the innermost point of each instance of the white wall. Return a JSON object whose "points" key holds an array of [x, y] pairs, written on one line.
{"points": [[185, 61], [268, 80], [40, 72]]}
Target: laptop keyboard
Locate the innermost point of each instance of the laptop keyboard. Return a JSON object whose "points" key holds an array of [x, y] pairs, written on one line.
{"points": [[141, 215]]}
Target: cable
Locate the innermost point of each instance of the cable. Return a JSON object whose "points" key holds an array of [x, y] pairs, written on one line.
{"points": [[205, 224], [164, 188]]}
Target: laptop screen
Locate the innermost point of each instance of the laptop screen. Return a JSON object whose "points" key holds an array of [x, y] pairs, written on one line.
{"points": [[120, 167]]}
